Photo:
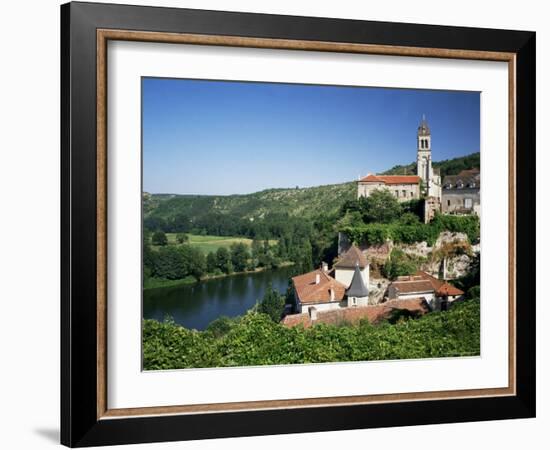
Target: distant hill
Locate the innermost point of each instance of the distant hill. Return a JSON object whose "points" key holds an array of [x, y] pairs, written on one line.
{"points": [[446, 167], [297, 202]]}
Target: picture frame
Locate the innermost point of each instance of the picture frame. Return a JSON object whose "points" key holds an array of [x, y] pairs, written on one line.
{"points": [[86, 418]]}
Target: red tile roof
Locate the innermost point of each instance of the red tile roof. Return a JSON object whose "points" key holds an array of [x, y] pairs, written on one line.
{"points": [[424, 282], [308, 291], [441, 287], [351, 258], [412, 286], [373, 313], [391, 179]]}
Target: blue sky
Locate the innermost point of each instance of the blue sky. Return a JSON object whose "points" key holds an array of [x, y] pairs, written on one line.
{"points": [[219, 137]]}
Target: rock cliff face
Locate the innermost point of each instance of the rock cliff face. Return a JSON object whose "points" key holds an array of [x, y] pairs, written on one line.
{"points": [[452, 253]]}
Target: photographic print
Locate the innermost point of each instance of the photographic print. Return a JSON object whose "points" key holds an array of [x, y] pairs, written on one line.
{"points": [[299, 224]]}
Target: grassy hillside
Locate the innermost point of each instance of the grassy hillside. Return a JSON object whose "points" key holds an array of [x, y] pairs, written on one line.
{"points": [[301, 202], [208, 243], [446, 167]]}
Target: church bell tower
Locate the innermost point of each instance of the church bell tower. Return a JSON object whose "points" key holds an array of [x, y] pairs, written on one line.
{"points": [[424, 154]]}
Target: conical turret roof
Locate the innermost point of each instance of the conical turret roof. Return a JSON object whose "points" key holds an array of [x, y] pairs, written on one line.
{"points": [[357, 288]]}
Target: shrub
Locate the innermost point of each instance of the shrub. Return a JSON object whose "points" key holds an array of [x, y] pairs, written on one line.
{"points": [[399, 264], [256, 340], [272, 304], [407, 231], [159, 238], [181, 238]]}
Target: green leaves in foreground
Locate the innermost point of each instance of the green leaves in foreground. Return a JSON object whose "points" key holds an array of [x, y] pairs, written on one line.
{"points": [[254, 339]]}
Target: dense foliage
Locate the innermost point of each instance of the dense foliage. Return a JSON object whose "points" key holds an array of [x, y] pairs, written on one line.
{"points": [[254, 339], [400, 263], [446, 167], [407, 233], [257, 215], [272, 304], [380, 207], [159, 238]]}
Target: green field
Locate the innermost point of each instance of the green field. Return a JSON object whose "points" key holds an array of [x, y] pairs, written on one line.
{"points": [[208, 243]]}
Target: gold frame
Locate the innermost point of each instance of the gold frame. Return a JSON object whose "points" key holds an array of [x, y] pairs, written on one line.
{"points": [[103, 36]]}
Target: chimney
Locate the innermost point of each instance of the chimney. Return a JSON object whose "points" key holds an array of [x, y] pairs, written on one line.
{"points": [[312, 313], [331, 294], [444, 268], [324, 266], [317, 278]]}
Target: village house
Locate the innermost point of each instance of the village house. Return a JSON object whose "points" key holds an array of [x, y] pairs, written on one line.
{"points": [[346, 285], [438, 294], [461, 193], [403, 187], [342, 293], [346, 266]]}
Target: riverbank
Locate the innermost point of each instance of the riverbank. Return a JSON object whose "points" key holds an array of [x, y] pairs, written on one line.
{"points": [[156, 283]]}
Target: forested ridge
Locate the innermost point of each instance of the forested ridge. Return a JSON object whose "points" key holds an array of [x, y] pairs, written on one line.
{"points": [[446, 167]]}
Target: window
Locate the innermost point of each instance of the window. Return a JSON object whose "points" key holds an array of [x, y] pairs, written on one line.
{"points": [[404, 193], [448, 203], [397, 193], [468, 203], [412, 194]]}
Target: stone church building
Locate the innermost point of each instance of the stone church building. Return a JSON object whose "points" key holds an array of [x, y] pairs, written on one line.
{"points": [[408, 187]]}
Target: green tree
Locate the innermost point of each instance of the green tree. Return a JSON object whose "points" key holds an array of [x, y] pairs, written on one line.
{"points": [[159, 238], [409, 218], [239, 256], [169, 263], [211, 262], [399, 264], [272, 304], [256, 248], [223, 259], [381, 207], [194, 260], [181, 238]]}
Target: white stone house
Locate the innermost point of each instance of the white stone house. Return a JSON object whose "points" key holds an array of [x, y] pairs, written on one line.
{"points": [[345, 266], [437, 293], [402, 187], [345, 286]]}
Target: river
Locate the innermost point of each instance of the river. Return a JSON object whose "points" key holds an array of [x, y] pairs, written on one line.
{"points": [[196, 305]]}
